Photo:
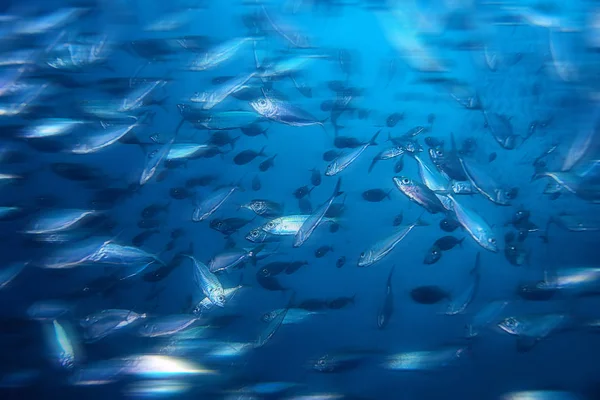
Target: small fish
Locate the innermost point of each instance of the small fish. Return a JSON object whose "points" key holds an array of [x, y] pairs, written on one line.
{"points": [[264, 208], [246, 156], [148, 223], [346, 142], [222, 138], [205, 208], [180, 193], [267, 164], [420, 194], [322, 251], [302, 192], [393, 119], [270, 283], [433, 255], [254, 129], [295, 266], [314, 305], [376, 195], [153, 210], [343, 161], [448, 242], [256, 185], [385, 314], [305, 206], [340, 262], [398, 219], [315, 177], [492, 157], [330, 155], [340, 302], [399, 166], [203, 180], [428, 294], [449, 224], [141, 238]]}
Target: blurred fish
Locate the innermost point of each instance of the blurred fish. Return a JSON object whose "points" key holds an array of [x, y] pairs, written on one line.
{"points": [[385, 313], [429, 294], [376, 195]]}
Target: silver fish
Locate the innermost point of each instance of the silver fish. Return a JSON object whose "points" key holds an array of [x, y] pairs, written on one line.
{"points": [[208, 283], [154, 161], [475, 225], [62, 346], [206, 305], [283, 112], [219, 54], [488, 315], [426, 360], [311, 223], [51, 127], [382, 248], [166, 326], [343, 161], [58, 220], [101, 324], [458, 304], [210, 99], [485, 184], [99, 141], [209, 205]]}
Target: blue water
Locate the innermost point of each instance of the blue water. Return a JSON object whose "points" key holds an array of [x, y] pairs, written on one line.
{"points": [[530, 66]]}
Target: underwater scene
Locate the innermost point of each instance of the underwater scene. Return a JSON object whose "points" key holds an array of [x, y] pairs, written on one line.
{"points": [[300, 199]]}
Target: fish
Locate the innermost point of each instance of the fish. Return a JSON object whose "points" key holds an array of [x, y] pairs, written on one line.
{"points": [[344, 160], [283, 112], [256, 185], [485, 317], [315, 177], [376, 195], [486, 185], [458, 304], [246, 156], [264, 208], [449, 224], [311, 223], [208, 283], [420, 194], [433, 255], [166, 326], [475, 225], [322, 251], [267, 164], [340, 262], [446, 243], [393, 119], [154, 209], [342, 360], [209, 100], [219, 54], [203, 180], [205, 208], [383, 247], [387, 310], [429, 294], [154, 160], [141, 238], [302, 191]]}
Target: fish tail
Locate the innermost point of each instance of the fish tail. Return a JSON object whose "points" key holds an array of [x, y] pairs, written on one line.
{"points": [[262, 151], [421, 222], [372, 142], [388, 194], [336, 191], [460, 243], [375, 159]]}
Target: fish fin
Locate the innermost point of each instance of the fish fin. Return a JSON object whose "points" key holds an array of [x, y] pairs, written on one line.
{"points": [[261, 153], [375, 159], [372, 142], [460, 243], [420, 221], [336, 191], [388, 194]]}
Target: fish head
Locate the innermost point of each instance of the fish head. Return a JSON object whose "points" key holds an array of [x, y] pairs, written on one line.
{"points": [[148, 329], [486, 239], [332, 168], [324, 364], [264, 106], [257, 235], [404, 184], [365, 258], [510, 325], [200, 97], [218, 225], [432, 256], [437, 154], [217, 297], [268, 317]]}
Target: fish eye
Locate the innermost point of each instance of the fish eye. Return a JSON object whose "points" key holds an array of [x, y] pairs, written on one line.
{"points": [[262, 102], [362, 255], [405, 181], [254, 233], [321, 361], [492, 240], [439, 152], [221, 298]]}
